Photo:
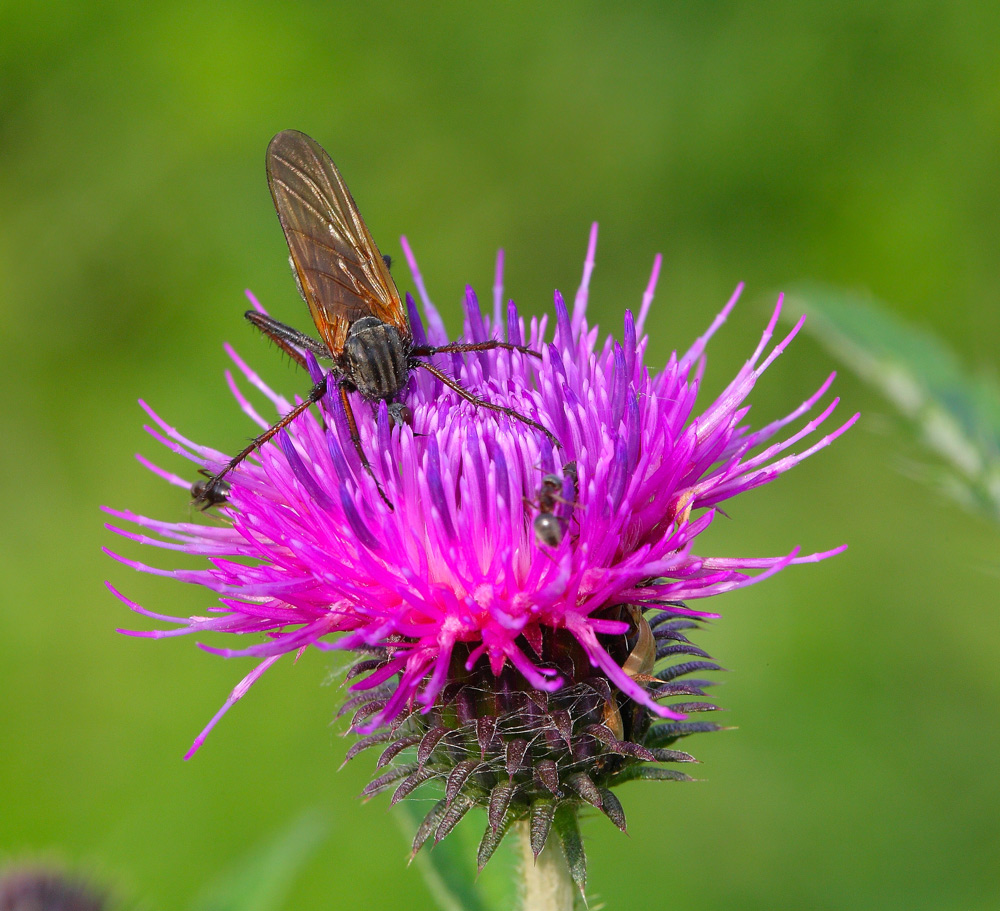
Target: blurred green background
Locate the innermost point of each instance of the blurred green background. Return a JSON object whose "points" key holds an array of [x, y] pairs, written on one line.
{"points": [[770, 142]]}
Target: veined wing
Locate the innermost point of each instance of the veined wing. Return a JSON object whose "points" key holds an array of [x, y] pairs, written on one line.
{"points": [[339, 267]]}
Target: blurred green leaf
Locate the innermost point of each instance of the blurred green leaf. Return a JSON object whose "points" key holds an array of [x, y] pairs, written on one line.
{"points": [[261, 881], [449, 868], [952, 412]]}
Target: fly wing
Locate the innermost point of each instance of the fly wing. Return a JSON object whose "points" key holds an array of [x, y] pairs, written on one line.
{"points": [[341, 272]]}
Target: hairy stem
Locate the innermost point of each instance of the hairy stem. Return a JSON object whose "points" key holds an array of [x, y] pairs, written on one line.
{"points": [[547, 885]]}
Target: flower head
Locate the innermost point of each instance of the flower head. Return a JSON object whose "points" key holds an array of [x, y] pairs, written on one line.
{"points": [[509, 611], [31, 888]]}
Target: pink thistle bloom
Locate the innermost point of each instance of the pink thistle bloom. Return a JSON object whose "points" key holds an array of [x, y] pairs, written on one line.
{"points": [[456, 577]]}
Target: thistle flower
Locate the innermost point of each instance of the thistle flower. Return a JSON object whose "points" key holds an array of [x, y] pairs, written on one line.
{"points": [[509, 614], [38, 889]]}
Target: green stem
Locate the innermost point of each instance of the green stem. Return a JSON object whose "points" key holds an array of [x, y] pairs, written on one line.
{"points": [[547, 885]]}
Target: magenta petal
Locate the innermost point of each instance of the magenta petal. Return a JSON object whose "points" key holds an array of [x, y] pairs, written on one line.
{"points": [[235, 696]]}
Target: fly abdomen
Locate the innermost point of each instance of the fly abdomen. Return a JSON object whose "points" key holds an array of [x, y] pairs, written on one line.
{"points": [[375, 359]]}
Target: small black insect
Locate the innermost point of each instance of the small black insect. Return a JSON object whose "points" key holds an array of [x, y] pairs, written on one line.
{"points": [[548, 526], [363, 323], [205, 494]]}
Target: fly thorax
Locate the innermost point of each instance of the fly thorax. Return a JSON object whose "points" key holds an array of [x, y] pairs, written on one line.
{"points": [[375, 359]]}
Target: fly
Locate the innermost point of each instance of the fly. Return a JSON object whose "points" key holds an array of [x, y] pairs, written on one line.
{"points": [[362, 322]]}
